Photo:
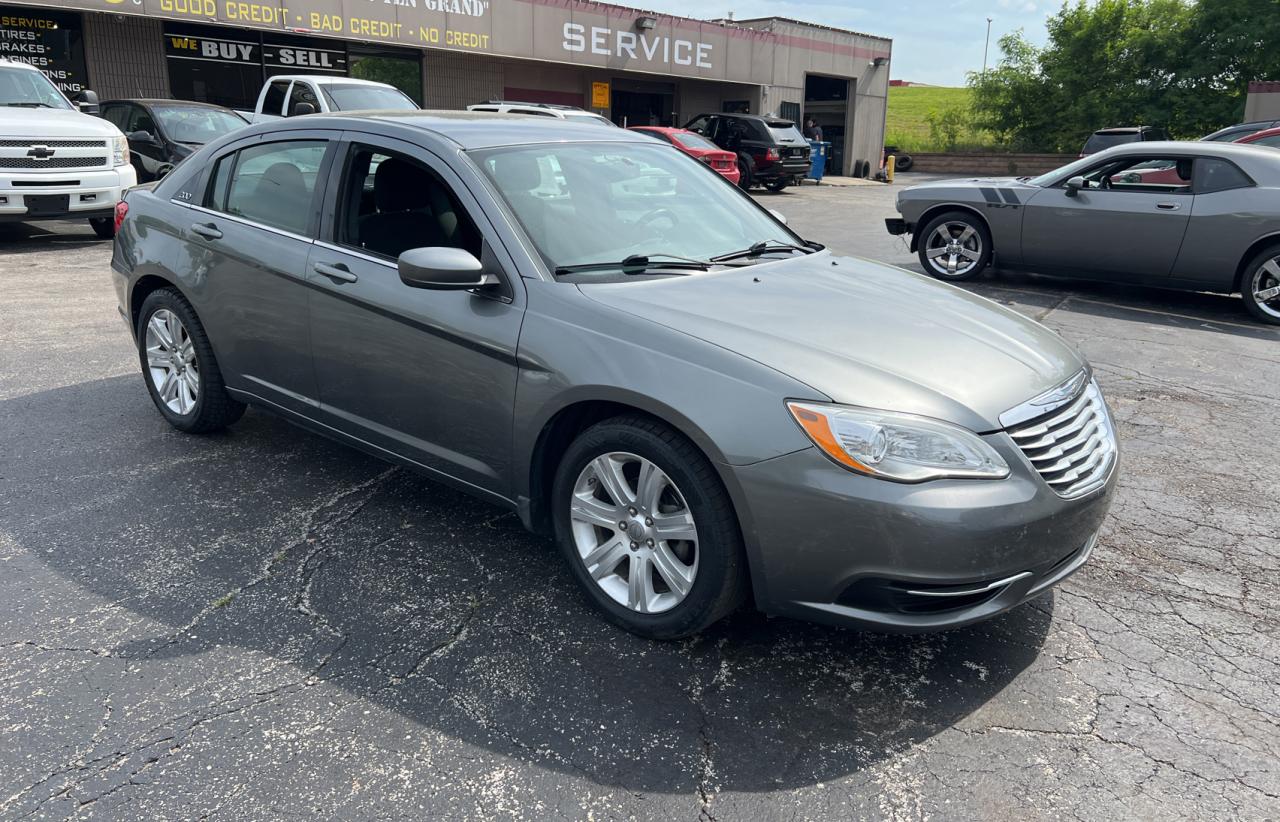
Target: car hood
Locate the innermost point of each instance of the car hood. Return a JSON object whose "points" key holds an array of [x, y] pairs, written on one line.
{"points": [[863, 333], [974, 182], [48, 123]]}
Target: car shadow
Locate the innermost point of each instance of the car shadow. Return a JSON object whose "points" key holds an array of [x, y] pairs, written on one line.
{"points": [[425, 602], [21, 238]]}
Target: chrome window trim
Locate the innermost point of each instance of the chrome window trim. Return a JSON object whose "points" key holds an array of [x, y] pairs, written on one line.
{"points": [[363, 255], [240, 220]]}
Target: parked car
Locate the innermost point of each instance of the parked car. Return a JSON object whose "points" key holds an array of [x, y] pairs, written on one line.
{"points": [[1268, 137], [1104, 217], [56, 161], [1109, 137], [633, 356], [697, 147], [560, 112], [163, 133], [771, 152], [1232, 134], [294, 95]]}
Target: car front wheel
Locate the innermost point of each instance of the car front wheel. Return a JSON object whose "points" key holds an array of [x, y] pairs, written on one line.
{"points": [[179, 367], [648, 529], [954, 246], [1260, 286]]}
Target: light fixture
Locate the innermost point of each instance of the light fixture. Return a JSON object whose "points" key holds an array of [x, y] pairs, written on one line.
{"points": [[879, 61], [647, 23]]}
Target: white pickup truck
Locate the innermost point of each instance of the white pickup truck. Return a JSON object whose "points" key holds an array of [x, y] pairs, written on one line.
{"points": [[292, 95], [55, 161]]}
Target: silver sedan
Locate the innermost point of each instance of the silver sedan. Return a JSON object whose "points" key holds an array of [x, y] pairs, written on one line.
{"points": [[1196, 216]]}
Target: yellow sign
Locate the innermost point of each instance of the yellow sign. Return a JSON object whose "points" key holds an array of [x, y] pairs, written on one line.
{"points": [[599, 95]]}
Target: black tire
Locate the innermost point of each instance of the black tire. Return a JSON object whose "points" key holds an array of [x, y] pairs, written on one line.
{"points": [[858, 169], [778, 185], [745, 176], [104, 227], [1257, 275], [979, 240], [904, 162], [720, 584], [214, 409]]}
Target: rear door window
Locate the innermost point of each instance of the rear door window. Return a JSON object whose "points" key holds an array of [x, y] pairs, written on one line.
{"points": [[302, 93], [273, 102], [1213, 175], [272, 184]]}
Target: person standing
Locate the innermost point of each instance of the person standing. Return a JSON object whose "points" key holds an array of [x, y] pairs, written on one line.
{"points": [[812, 131]]}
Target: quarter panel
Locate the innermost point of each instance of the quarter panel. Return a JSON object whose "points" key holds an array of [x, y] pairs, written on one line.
{"points": [[1223, 226]]}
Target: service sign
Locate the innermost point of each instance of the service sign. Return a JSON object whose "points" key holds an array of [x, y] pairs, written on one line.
{"points": [[564, 31], [49, 40]]}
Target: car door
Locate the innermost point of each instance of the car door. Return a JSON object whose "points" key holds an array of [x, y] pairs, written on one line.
{"points": [[148, 155], [1119, 226], [428, 375], [248, 242]]}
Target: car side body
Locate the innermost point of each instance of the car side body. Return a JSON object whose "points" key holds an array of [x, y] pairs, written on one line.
{"points": [[486, 389], [1197, 234]]}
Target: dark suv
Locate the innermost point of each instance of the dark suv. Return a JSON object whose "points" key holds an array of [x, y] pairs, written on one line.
{"points": [[1108, 137], [771, 152]]}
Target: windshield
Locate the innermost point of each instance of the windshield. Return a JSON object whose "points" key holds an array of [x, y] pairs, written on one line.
{"points": [[352, 97], [690, 140], [1098, 142], [196, 124], [23, 88], [585, 203]]}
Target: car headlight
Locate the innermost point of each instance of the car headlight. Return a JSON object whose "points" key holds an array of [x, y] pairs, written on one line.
{"points": [[893, 446], [119, 150]]}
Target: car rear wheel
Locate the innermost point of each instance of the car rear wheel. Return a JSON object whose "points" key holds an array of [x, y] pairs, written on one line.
{"points": [[648, 529], [954, 246], [1260, 286], [777, 185], [104, 227], [177, 361]]}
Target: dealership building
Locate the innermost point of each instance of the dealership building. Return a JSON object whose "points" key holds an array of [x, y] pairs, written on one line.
{"points": [[633, 66]]}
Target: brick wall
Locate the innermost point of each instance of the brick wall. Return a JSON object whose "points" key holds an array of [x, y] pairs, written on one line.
{"points": [[455, 80], [998, 165], [125, 56]]}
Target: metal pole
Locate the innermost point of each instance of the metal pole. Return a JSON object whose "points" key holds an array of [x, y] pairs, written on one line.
{"points": [[986, 46]]}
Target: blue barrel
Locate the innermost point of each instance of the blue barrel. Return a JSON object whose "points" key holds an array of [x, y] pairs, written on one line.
{"points": [[817, 159]]}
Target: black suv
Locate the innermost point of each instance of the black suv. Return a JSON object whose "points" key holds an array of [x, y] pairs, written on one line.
{"points": [[771, 151], [1106, 138]]}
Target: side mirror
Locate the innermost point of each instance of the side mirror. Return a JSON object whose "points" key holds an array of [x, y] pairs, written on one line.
{"points": [[1074, 185], [302, 108], [86, 101], [443, 269], [140, 137], [778, 215]]}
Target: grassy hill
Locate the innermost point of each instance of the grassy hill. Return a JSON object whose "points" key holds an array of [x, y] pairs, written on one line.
{"points": [[908, 118]]}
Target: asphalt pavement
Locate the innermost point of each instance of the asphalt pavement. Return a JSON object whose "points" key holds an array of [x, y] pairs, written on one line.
{"points": [[262, 624]]}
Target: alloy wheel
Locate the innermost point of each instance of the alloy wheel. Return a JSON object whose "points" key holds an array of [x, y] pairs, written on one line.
{"points": [[954, 248], [171, 362], [634, 532], [1266, 287]]}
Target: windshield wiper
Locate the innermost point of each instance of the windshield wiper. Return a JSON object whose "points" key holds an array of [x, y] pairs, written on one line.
{"points": [[762, 247], [639, 264], [25, 104]]}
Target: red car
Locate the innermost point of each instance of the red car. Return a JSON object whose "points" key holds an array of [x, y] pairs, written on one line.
{"points": [[1269, 137], [697, 147]]}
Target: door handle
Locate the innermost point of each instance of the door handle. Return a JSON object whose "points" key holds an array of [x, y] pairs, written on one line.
{"points": [[207, 230], [1168, 206], [338, 273]]}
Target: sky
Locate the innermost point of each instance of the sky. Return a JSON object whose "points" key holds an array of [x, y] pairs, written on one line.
{"points": [[934, 41]]}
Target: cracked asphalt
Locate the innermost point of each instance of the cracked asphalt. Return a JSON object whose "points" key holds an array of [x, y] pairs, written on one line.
{"points": [[263, 624]]}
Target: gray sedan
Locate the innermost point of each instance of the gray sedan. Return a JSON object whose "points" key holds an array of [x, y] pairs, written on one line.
{"points": [[590, 329], [1197, 216]]}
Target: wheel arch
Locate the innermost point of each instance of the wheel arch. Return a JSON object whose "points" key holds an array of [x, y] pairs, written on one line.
{"points": [[1273, 239], [144, 287], [941, 208]]}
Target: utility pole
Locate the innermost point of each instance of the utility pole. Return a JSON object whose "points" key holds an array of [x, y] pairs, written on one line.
{"points": [[985, 47]]}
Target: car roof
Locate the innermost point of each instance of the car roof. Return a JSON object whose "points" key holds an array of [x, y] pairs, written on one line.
{"points": [[164, 101], [466, 129], [329, 79], [1258, 135], [7, 62]]}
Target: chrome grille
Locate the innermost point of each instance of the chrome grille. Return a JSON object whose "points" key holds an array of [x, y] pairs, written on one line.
{"points": [[28, 142], [1072, 447]]}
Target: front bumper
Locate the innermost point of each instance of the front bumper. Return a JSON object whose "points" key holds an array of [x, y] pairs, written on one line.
{"points": [[896, 226], [832, 546], [88, 193]]}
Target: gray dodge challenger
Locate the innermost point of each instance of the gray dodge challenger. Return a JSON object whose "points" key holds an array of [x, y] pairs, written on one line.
{"points": [[1197, 216], [591, 329]]}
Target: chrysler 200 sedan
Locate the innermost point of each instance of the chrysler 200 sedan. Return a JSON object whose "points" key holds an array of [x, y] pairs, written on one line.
{"points": [[700, 406]]}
